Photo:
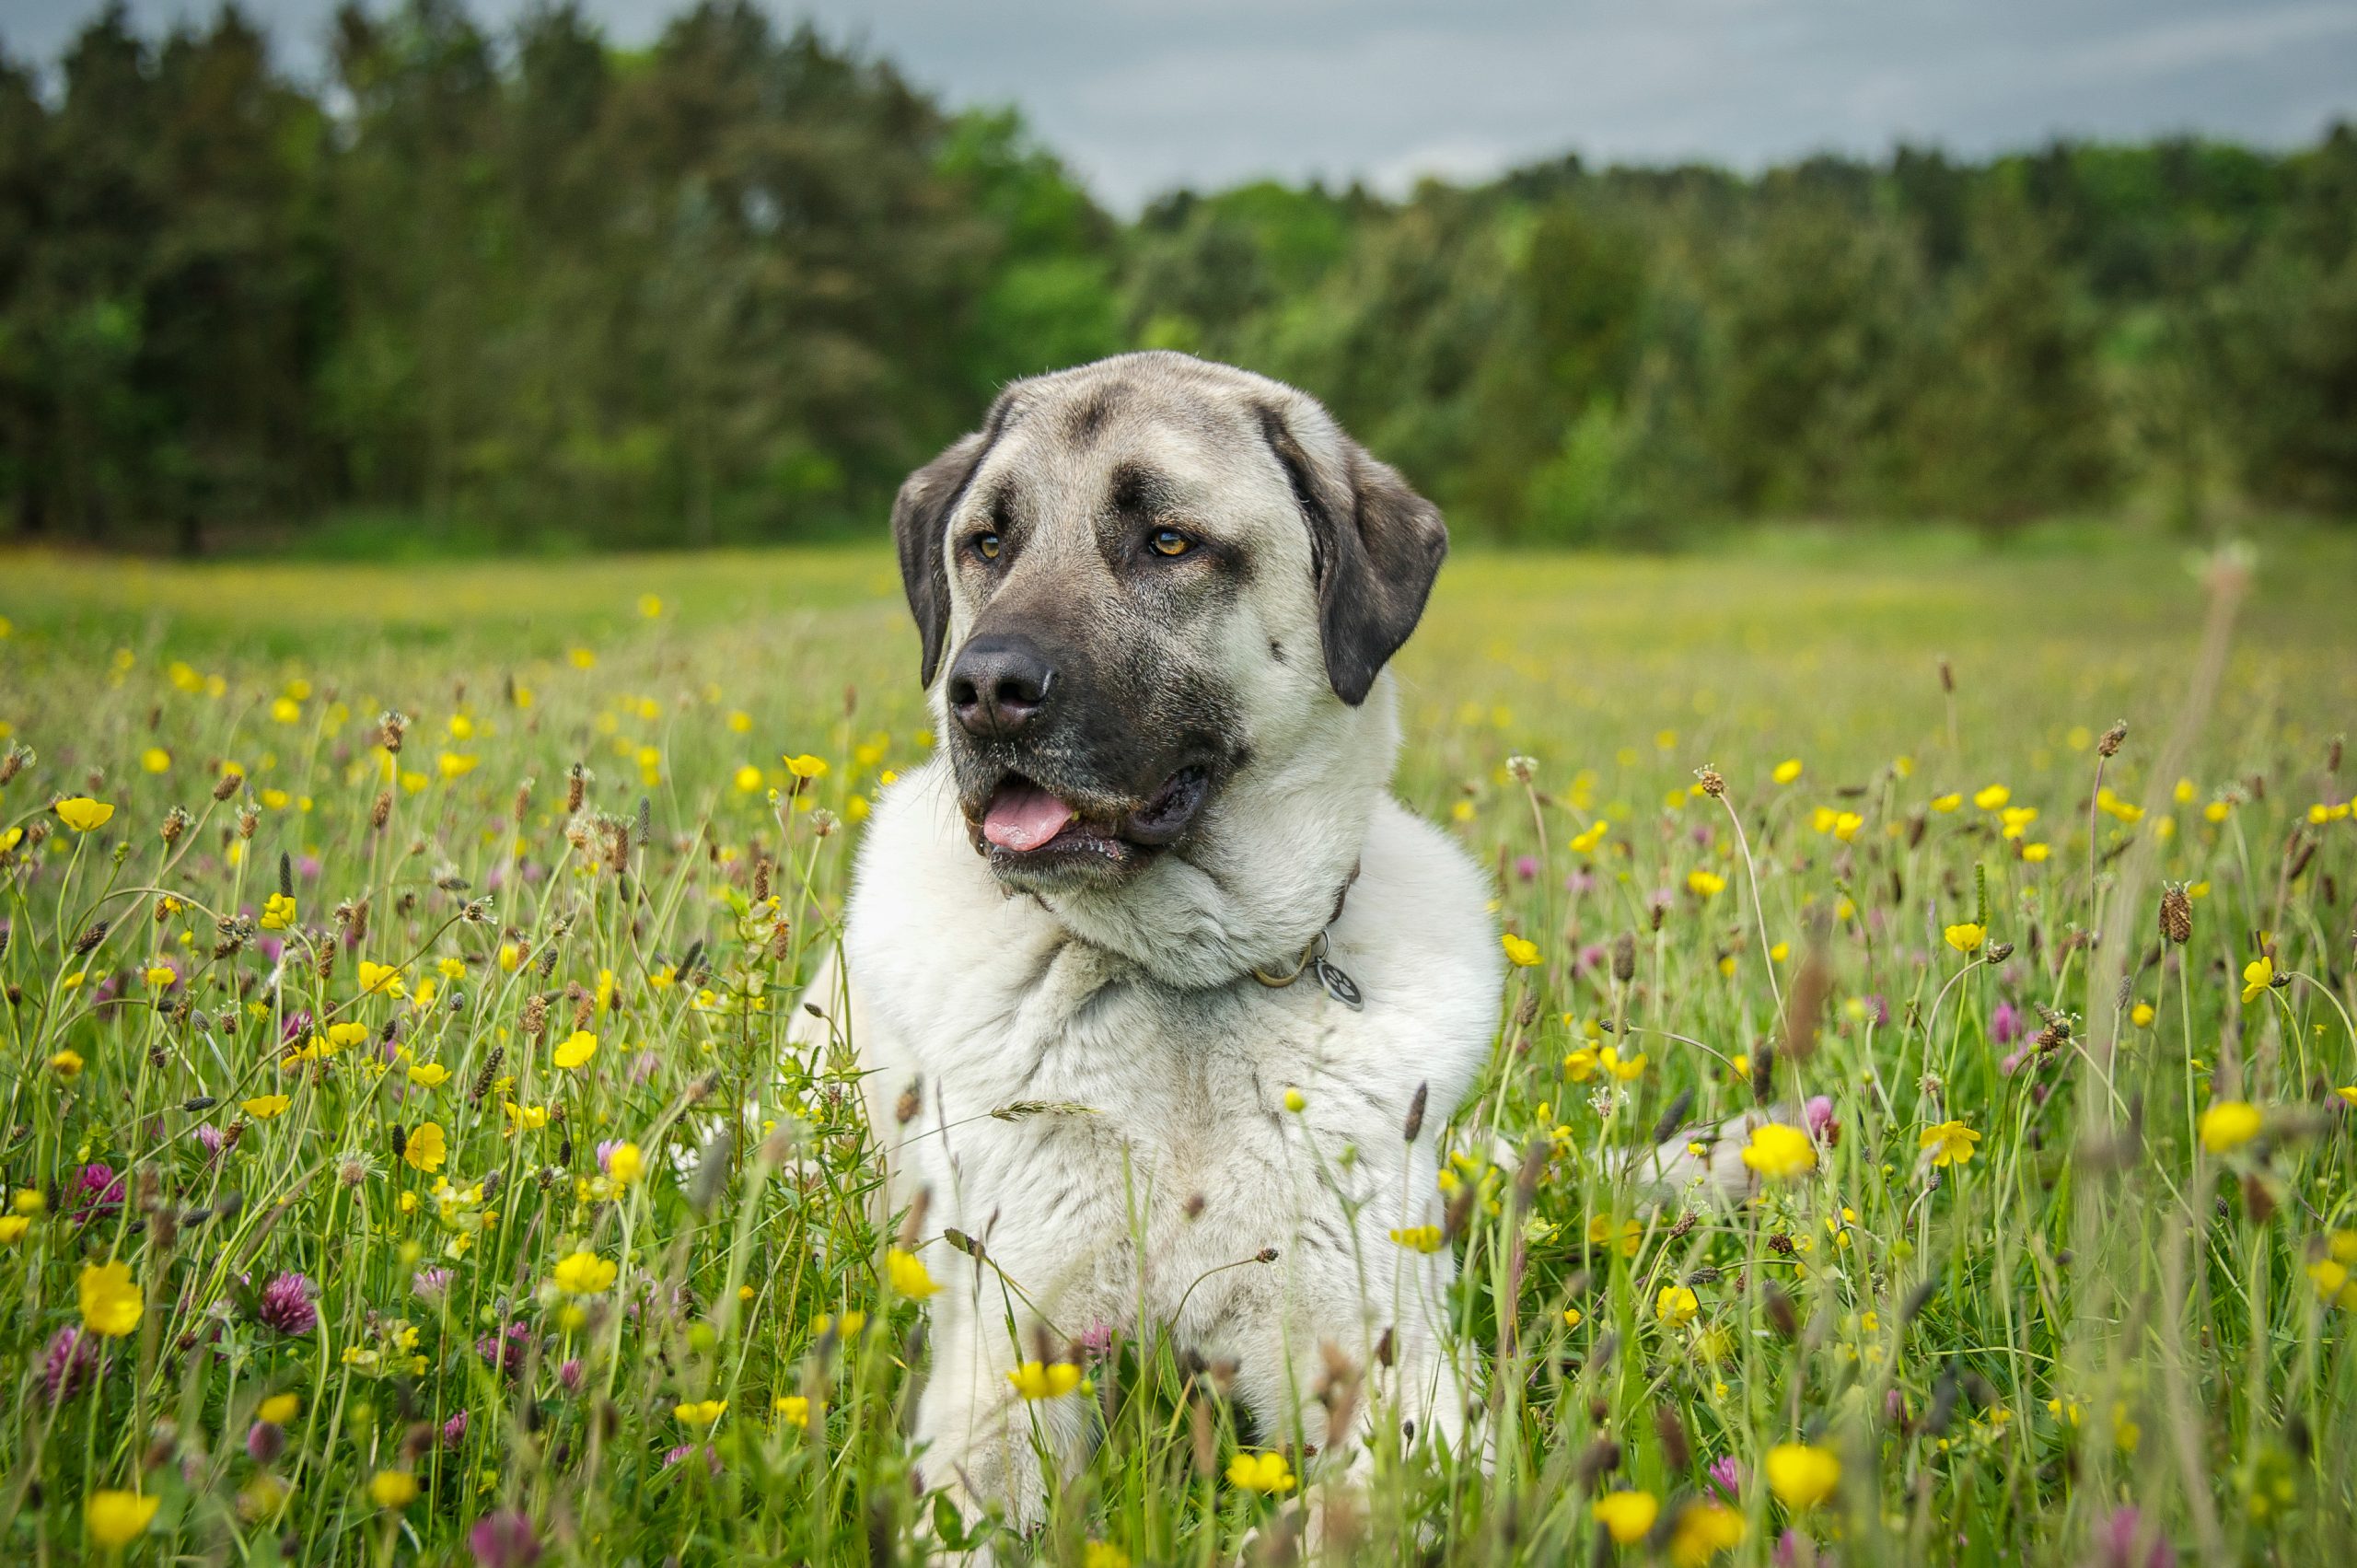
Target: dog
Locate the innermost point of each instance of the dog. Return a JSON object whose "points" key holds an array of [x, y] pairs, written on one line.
{"points": [[1161, 1000]]}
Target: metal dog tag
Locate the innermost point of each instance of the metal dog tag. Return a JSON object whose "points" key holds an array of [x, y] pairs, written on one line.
{"points": [[1338, 986]]}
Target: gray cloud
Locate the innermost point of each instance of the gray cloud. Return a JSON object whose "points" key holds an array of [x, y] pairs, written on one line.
{"points": [[1143, 95]]}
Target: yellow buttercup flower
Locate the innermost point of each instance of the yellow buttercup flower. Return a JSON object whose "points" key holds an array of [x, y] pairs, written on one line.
{"points": [[624, 1164], [907, 1275], [794, 1409], [160, 974], [155, 759], [1779, 1152], [1627, 1516], [805, 766], [279, 1408], [700, 1412], [426, 1148], [1709, 884], [385, 977], [1965, 937], [1625, 1068], [1801, 1475], [1418, 1237], [111, 1299], [261, 1108], [84, 815], [1950, 1143], [1053, 1380], [1521, 952], [277, 913], [1703, 1531], [67, 1063], [576, 1049], [2229, 1124], [1787, 771], [748, 778], [428, 1074], [1992, 799], [392, 1489], [2258, 976], [1265, 1472], [585, 1273], [113, 1518], [1676, 1305]]}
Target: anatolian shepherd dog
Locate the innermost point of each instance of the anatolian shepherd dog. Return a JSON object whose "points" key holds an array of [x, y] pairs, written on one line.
{"points": [[1153, 902]]}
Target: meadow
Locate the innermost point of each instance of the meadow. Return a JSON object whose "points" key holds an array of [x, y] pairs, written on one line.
{"points": [[392, 954]]}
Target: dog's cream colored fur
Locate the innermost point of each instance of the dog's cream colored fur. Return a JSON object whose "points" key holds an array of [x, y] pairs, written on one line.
{"points": [[1166, 1152]]}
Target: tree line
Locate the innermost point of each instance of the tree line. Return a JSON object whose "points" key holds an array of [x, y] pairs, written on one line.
{"points": [[530, 290]]}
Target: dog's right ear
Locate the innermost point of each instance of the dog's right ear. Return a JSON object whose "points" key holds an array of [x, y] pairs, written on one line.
{"points": [[920, 518]]}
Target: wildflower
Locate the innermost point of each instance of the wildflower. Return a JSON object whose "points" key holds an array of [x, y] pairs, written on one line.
{"points": [[1967, 937], [1574, 1317], [392, 1489], [1296, 1101], [113, 1518], [13, 1228], [794, 1409], [585, 1273], [1950, 1143], [285, 1304], [1992, 799], [1676, 1305], [504, 1539], [278, 912], [1581, 1065], [1103, 1555], [67, 1364], [700, 1412], [426, 1148], [1264, 1472], [160, 974], [428, 1074], [1948, 803], [2141, 1015], [1802, 1476], [67, 1063], [1625, 1068], [807, 766], [1418, 1237], [111, 1301], [1053, 1380], [1705, 884], [1780, 1153], [1521, 952], [1702, 1532], [1627, 1516], [84, 815], [155, 759], [2228, 1125], [279, 1408], [624, 1164], [2015, 819], [907, 1275], [384, 978], [261, 1108], [576, 1049], [2258, 975], [1787, 771]]}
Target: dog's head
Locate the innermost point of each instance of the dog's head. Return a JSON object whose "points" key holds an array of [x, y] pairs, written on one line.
{"points": [[1140, 584]]}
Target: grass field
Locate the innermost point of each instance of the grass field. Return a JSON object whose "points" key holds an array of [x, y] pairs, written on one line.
{"points": [[364, 1106]]}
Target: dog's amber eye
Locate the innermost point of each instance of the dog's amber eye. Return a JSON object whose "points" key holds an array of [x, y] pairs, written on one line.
{"points": [[1169, 541], [986, 546]]}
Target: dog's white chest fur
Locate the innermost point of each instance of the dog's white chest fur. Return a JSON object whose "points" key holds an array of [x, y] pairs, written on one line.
{"points": [[1113, 1142]]}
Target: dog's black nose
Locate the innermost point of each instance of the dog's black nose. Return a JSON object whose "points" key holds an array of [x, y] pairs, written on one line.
{"points": [[999, 685]]}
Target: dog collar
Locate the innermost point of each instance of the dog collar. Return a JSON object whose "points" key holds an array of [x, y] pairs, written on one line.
{"points": [[1313, 960]]}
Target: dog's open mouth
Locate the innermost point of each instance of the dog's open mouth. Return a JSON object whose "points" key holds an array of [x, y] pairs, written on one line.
{"points": [[1024, 823]]}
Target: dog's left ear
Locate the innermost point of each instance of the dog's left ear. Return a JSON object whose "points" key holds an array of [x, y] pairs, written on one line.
{"points": [[1375, 546]]}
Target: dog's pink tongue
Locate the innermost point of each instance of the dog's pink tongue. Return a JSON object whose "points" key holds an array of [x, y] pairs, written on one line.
{"points": [[1023, 817]]}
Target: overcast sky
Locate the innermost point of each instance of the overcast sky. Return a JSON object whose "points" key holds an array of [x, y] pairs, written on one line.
{"points": [[1144, 95]]}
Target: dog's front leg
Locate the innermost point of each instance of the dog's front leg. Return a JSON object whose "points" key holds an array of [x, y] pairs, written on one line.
{"points": [[982, 1443]]}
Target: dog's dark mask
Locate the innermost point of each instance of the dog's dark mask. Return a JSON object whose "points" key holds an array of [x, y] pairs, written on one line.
{"points": [[1092, 714]]}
